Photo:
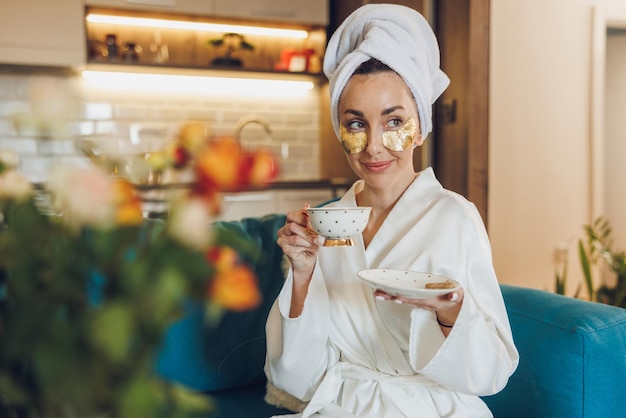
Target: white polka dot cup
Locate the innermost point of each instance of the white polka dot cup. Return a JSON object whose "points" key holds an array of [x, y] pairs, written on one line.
{"points": [[339, 225]]}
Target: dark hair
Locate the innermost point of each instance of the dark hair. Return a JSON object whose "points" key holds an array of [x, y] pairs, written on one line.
{"points": [[372, 66]]}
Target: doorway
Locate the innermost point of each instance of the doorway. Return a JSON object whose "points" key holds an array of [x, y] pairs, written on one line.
{"points": [[608, 138], [615, 134]]}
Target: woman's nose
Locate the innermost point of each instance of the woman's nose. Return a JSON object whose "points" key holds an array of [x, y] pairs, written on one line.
{"points": [[374, 141]]}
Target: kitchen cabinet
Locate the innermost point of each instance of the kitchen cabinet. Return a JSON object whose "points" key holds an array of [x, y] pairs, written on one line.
{"points": [[42, 33], [191, 7], [313, 12], [198, 42], [300, 11]]}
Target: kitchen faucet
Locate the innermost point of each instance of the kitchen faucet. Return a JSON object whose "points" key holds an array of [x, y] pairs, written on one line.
{"points": [[248, 120]]}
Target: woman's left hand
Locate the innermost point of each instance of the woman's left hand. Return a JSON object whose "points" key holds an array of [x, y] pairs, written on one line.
{"points": [[446, 307]]}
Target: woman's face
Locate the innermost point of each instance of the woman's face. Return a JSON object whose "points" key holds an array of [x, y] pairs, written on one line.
{"points": [[375, 110]]}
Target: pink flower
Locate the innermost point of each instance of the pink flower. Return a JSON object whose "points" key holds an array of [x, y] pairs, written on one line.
{"points": [[9, 159], [14, 186], [85, 196], [189, 223]]}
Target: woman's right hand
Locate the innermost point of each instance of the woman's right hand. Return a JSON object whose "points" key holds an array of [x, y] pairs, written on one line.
{"points": [[299, 242]]}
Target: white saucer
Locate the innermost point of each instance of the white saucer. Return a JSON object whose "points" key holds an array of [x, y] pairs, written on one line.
{"points": [[409, 284]]}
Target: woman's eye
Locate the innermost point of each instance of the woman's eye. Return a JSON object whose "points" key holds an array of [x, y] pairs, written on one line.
{"points": [[395, 123], [355, 125]]}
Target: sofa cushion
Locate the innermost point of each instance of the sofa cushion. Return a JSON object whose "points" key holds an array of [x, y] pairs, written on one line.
{"points": [[571, 357], [232, 353]]}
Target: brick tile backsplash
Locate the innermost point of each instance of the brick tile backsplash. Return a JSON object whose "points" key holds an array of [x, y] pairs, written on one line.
{"points": [[293, 121]]}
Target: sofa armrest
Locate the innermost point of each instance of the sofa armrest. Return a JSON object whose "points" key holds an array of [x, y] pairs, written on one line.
{"points": [[572, 357]]}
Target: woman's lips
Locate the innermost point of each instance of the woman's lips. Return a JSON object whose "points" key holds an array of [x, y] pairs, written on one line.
{"points": [[377, 166]]}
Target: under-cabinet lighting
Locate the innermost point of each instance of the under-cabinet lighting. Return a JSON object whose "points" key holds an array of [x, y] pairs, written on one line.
{"points": [[191, 84], [197, 26]]}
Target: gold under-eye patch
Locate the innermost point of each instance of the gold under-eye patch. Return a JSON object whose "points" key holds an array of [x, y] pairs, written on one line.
{"points": [[402, 138], [398, 140], [352, 142]]}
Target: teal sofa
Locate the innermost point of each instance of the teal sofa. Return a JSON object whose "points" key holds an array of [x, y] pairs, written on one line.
{"points": [[572, 352]]}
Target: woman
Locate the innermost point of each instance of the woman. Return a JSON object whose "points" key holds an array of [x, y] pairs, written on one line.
{"points": [[342, 349]]}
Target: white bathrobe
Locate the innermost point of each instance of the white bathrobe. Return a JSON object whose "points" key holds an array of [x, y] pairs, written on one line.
{"points": [[351, 355]]}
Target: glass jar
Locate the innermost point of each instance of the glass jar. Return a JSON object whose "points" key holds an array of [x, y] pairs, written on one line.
{"points": [[131, 52]]}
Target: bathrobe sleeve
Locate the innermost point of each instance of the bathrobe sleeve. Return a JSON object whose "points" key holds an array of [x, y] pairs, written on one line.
{"points": [[298, 353], [479, 355]]}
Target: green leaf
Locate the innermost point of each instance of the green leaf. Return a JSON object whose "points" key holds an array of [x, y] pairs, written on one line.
{"points": [[586, 266], [11, 391], [142, 398], [167, 293], [559, 285], [213, 313], [189, 401], [112, 328]]}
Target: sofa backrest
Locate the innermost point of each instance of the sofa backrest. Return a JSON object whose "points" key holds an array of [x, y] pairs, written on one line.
{"points": [[231, 353], [572, 358]]}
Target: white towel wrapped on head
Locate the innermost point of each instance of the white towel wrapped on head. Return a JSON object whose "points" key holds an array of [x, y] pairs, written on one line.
{"points": [[397, 36]]}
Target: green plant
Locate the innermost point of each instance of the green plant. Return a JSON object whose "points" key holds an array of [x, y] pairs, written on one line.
{"points": [[586, 266], [82, 315], [86, 299], [88, 287], [560, 280], [233, 42], [596, 247]]}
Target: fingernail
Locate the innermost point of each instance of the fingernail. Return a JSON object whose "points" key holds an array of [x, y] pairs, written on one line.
{"points": [[454, 297]]}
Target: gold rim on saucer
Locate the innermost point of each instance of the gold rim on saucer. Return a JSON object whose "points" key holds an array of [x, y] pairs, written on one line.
{"points": [[338, 242]]}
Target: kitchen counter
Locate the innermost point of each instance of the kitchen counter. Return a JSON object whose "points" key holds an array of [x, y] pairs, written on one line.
{"points": [[276, 197], [337, 185]]}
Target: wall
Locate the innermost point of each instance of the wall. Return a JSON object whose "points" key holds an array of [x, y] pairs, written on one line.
{"points": [[294, 120], [539, 134]]}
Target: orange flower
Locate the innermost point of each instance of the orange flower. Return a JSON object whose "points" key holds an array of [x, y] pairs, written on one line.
{"points": [[235, 289], [263, 168], [218, 165], [127, 202], [193, 135], [223, 258]]}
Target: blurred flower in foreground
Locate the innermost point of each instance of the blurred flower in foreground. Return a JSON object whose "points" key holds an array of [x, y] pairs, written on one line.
{"points": [[234, 286], [90, 197], [127, 203], [189, 223], [51, 105], [8, 160], [14, 185], [83, 196], [223, 164], [87, 296]]}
